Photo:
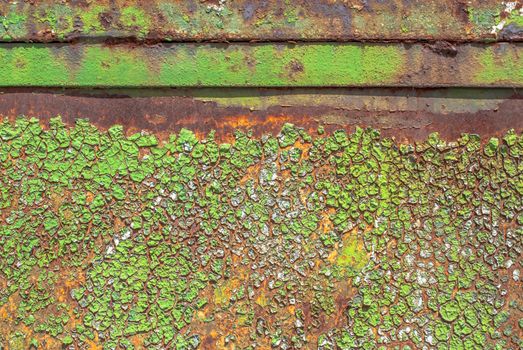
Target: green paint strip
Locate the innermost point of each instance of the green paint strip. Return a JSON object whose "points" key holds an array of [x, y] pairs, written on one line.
{"points": [[260, 65]]}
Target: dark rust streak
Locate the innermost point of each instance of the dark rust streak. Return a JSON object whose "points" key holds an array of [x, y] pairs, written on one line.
{"points": [[168, 114]]}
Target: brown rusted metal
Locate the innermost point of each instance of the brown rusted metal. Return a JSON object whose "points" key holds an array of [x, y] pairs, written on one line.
{"points": [[167, 112], [244, 20], [223, 196]]}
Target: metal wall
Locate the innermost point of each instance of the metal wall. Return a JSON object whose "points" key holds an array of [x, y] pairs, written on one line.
{"points": [[261, 174]]}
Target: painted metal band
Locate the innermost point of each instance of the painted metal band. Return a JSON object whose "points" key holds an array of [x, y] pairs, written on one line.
{"points": [[261, 65], [272, 20]]}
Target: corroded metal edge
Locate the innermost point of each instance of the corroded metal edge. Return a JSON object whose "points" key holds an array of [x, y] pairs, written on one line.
{"points": [[406, 114], [261, 65], [163, 20]]}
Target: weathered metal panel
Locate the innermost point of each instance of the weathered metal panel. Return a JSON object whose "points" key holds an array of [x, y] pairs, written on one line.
{"points": [[261, 65], [293, 240], [314, 194], [408, 115], [271, 20]]}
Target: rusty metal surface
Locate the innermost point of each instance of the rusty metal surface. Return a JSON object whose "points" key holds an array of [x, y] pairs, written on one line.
{"points": [[245, 20], [314, 191], [292, 240], [261, 65], [406, 114]]}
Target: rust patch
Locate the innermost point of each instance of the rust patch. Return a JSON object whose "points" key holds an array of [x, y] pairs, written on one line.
{"points": [[244, 20], [164, 115]]}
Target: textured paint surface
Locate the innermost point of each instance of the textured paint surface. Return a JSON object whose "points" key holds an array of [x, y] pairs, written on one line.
{"points": [[207, 221], [297, 240], [246, 20], [260, 65]]}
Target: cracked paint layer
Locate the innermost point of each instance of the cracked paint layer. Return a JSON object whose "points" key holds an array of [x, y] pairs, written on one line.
{"points": [[328, 240]]}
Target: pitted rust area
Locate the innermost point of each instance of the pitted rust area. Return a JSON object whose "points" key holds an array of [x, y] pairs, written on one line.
{"points": [[291, 240], [403, 114], [245, 20]]}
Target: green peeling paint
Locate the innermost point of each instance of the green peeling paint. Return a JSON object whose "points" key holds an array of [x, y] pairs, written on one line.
{"points": [[91, 19], [264, 65], [353, 254], [329, 241], [100, 65], [484, 19], [261, 65], [12, 25], [135, 19], [25, 63], [516, 18], [58, 17], [499, 66]]}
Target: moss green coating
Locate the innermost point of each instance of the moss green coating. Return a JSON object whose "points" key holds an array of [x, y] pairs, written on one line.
{"points": [[91, 20], [135, 20], [499, 66], [484, 19], [515, 17], [261, 65], [288, 241]]}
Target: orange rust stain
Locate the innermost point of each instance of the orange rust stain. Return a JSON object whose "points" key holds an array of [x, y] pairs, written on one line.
{"points": [[262, 300], [10, 326], [118, 224], [137, 341], [223, 293], [89, 197], [68, 279], [56, 200], [252, 173], [156, 119], [94, 344]]}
